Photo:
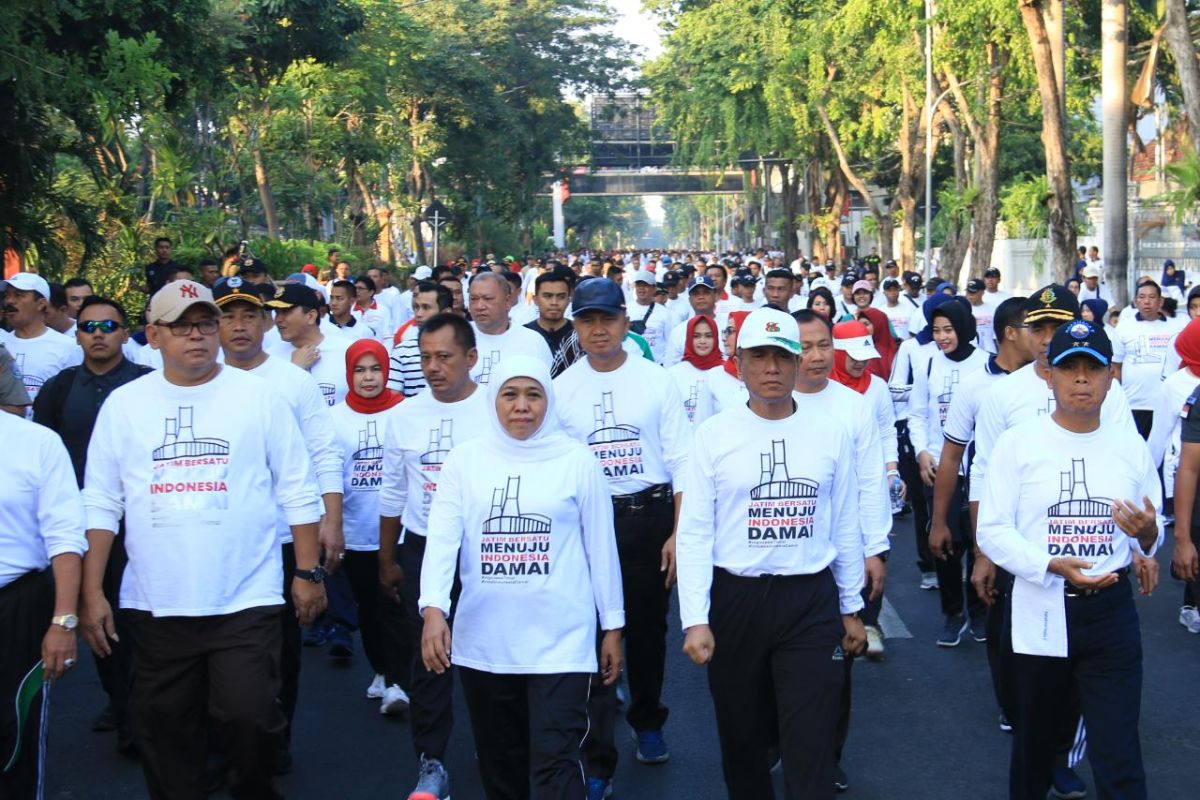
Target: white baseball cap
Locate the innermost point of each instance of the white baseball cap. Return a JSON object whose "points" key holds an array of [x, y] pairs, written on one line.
{"points": [[644, 276], [860, 348], [170, 302], [423, 273], [1090, 272], [769, 327], [27, 282]]}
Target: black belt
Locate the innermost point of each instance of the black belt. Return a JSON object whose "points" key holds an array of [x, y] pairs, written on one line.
{"points": [[1074, 591], [624, 504]]}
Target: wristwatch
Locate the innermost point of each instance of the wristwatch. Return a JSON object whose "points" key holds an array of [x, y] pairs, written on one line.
{"points": [[314, 575], [66, 621]]}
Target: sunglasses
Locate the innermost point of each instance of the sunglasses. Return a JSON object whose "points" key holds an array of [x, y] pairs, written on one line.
{"points": [[102, 325]]}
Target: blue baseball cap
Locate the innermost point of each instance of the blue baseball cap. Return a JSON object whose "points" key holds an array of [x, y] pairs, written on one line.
{"points": [[598, 294], [1080, 338], [702, 282]]}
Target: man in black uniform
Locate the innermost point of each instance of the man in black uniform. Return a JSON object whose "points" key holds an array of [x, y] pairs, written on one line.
{"points": [[68, 404], [159, 271]]}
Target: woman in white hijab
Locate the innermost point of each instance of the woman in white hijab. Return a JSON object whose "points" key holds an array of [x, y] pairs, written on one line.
{"points": [[525, 514]]}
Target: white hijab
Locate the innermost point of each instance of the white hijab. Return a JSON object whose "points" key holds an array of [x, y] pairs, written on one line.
{"points": [[548, 440]]}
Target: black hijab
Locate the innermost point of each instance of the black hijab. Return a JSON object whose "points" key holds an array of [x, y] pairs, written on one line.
{"points": [[963, 322]]}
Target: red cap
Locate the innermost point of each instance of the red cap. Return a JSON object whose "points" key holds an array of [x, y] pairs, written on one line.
{"points": [[309, 269]]}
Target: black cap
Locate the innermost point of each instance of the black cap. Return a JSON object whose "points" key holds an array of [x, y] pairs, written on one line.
{"points": [[1080, 338], [251, 266], [598, 294], [288, 295], [991, 272], [891, 262], [232, 289], [891, 283], [849, 279], [933, 283], [913, 280], [974, 285], [1055, 302]]}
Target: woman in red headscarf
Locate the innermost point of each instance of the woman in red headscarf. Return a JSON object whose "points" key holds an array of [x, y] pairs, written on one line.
{"points": [[700, 356], [725, 385], [360, 425], [881, 334], [1166, 433]]}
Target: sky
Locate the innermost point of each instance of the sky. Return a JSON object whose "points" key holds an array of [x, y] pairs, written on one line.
{"points": [[636, 27]]}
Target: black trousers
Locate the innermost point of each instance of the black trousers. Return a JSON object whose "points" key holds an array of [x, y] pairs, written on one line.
{"points": [[910, 473], [778, 663], [528, 731], [431, 696], [1143, 420], [640, 539], [116, 670], [26, 606], [185, 668], [1104, 666], [999, 643], [386, 637], [954, 591], [869, 616], [289, 644]]}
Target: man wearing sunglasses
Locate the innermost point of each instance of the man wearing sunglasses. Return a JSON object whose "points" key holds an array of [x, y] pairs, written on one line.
{"points": [[68, 404]]}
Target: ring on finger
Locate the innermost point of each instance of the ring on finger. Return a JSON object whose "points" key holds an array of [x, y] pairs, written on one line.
{"points": [[68, 663]]}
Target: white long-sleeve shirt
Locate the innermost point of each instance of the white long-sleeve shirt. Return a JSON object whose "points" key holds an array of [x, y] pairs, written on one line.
{"points": [[964, 407], [1049, 494], [359, 439], [632, 418], [777, 499], [692, 385], [534, 543], [516, 341], [880, 399], [197, 472], [933, 389], [1165, 434], [425, 431], [911, 357], [41, 513], [1020, 396], [1140, 347]]}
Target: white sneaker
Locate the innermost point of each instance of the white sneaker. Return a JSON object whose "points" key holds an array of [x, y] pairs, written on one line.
{"points": [[395, 701], [874, 643], [1189, 618], [929, 581], [375, 690]]}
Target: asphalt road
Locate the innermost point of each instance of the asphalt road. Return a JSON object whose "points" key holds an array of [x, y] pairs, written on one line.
{"points": [[924, 722]]}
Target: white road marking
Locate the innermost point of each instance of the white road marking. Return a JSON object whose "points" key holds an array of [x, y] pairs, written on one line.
{"points": [[893, 626]]}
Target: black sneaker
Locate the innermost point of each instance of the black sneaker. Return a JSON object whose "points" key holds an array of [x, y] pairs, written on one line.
{"points": [[106, 720], [1005, 725], [979, 628], [840, 782], [956, 626]]}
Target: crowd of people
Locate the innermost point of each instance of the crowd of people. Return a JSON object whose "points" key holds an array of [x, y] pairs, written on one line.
{"points": [[501, 469]]}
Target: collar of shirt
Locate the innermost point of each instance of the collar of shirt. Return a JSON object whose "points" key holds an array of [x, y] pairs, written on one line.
{"points": [[120, 374], [1161, 317], [993, 367]]}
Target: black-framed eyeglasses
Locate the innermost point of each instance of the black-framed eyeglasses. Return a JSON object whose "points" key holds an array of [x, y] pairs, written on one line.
{"points": [[102, 325], [207, 327]]}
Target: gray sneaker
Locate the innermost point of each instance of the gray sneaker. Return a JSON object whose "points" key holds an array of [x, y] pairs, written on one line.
{"points": [[434, 782]]}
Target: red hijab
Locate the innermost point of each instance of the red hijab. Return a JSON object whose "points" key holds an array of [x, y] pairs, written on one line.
{"points": [[713, 359], [736, 318], [881, 332], [1187, 345], [850, 330], [388, 397]]}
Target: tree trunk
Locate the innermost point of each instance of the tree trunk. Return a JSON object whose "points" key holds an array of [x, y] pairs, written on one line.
{"points": [[791, 199], [1061, 202], [957, 225], [265, 196], [1183, 50], [911, 185], [883, 217], [836, 192]]}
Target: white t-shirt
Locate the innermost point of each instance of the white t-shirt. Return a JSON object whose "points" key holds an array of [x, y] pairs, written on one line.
{"points": [[632, 419], [691, 384], [41, 513], [933, 389], [1049, 494], [997, 297], [985, 332], [533, 541], [1023, 395], [1140, 348], [359, 330], [517, 340], [880, 398], [777, 499], [39, 359], [898, 315], [360, 440], [1165, 434], [1101, 292], [422, 434], [330, 369], [964, 406], [197, 472], [658, 327], [377, 317]]}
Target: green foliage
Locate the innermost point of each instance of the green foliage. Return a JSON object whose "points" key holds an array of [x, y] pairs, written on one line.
{"points": [[1023, 207], [1185, 197]]}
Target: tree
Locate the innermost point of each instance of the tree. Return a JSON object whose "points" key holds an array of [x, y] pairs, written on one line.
{"points": [[1183, 50]]}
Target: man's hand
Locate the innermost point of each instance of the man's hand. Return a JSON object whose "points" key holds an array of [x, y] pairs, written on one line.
{"points": [[435, 641], [855, 641], [309, 599], [58, 645], [668, 561], [1140, 524], [983, 578], [876, 570], [96, 622], [305, 357], [940, 543], [1146, 570], [390, 578], [1072, 570], [1185, 563], [928, 466], [333, 544], [698, 644], [610, 657]]}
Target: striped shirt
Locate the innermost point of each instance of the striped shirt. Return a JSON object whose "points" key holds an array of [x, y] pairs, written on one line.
{"points": [[405, 375]]}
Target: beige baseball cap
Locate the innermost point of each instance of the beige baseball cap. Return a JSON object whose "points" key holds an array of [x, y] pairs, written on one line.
{"points": [[170, 302]]}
